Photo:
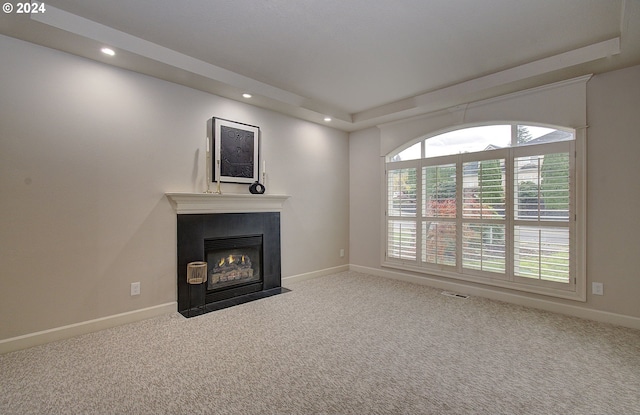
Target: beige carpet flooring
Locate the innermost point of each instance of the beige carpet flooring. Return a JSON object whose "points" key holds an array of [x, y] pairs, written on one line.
{"points": [[347, 343]]}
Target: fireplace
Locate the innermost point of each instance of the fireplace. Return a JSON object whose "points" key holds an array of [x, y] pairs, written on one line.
{"points": [[242, 252]]}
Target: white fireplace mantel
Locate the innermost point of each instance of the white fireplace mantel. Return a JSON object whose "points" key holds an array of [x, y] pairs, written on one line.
{"points": [[186, 203]]}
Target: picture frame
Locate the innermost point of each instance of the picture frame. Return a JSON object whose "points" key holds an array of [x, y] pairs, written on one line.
{"points": [[232, 152]]}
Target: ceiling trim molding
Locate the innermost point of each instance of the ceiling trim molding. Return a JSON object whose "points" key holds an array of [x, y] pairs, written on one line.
{"points": [[465, 90], [473, 104]]}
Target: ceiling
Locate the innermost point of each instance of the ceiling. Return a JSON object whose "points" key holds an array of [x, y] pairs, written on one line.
{"points": [[360, 62]]}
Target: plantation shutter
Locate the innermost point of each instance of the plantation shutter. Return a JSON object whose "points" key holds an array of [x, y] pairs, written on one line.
{"points": [[439, 231], [542, 194], [483, 212], [401, 203]]}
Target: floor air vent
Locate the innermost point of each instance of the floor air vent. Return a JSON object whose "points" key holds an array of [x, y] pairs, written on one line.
{"points": [[456, 295]]}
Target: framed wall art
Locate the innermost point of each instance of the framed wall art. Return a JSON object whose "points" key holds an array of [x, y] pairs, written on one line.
{"points": [[232, 152]]}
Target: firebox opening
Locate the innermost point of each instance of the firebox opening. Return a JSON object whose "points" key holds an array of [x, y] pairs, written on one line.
{"points": [[233, 266], [233, 261]]}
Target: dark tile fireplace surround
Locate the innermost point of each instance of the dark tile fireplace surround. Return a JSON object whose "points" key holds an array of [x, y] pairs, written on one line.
{"points": [[200, 235]]}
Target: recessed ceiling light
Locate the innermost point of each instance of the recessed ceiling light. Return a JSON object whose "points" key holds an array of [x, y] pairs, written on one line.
{"points": [[327, 119], [246, 95], [108, 51]]}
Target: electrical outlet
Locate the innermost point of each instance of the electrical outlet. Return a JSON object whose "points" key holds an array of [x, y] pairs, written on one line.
{"points": [[135, 288], [342, 253], [597, 288]]}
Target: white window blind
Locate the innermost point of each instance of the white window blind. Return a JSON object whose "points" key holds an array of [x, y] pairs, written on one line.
{"points": [[439, 210], [401, 203], [402, 240], [401, 192], [541, 200]]}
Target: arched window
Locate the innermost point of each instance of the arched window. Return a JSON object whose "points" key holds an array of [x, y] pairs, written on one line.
{"points": [[493, 204]]}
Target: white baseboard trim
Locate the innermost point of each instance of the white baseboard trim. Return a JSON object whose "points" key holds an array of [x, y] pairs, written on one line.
{"points": [[314, 274], [560, 308], [84, 327]]}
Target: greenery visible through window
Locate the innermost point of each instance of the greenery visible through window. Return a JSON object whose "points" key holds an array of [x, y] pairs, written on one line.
{"points": [[492, 203]]}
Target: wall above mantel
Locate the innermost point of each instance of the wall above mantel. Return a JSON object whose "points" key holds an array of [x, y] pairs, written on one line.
{"points": [[191, 203]]}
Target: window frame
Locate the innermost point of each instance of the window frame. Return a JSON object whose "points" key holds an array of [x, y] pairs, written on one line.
{"points": [[575, 289]]}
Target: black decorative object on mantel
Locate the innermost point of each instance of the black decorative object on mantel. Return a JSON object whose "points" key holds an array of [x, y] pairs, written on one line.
{"points": [[257, 188]]}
